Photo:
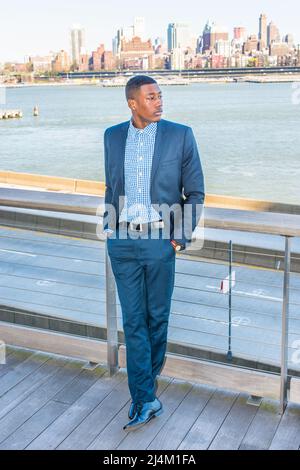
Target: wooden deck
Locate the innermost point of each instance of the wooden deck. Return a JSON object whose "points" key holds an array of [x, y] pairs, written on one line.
{"points": [[52, 402]]}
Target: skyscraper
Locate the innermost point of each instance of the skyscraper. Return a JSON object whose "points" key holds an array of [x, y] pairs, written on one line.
{"points": [[178, 36], [77, 44], [262, 36], [206, 36], [240, 34], [289, 39], [211, 34], [273, 34]]}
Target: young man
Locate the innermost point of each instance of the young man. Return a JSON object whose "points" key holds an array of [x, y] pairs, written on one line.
{"points": [[150, 165]]}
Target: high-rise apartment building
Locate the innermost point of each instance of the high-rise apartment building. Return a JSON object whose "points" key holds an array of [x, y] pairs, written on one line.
{"points": [[273, 34], [77, 44], [178, 36], [262, 36], [240, 34], [211, 34]]}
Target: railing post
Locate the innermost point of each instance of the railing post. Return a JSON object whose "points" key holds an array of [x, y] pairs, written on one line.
{"points": [[285, 325], [111, 317], [229, 352]]}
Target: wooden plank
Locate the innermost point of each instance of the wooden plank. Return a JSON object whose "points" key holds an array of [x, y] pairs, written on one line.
{"points": [[13, 360], [194, 370], [21, 371], [25, 388], [287, 436], [73, 390], [28, 407], [56, 433], [171, 398], [295, 390], [235, 426], [33, 427], [209, 422], [56, 343], [96, 421], [19, 439], [183, 418], [263, 427], [113, 434]]}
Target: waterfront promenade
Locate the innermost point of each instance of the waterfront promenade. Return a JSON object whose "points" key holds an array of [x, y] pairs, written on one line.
{"points": [[54, 295], [51, 402]]}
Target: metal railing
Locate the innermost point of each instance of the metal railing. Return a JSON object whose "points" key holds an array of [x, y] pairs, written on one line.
{"points": [[259, 223], [50, 281]]}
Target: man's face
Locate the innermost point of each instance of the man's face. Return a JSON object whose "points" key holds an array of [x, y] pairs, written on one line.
{"points": [[147, 103]]}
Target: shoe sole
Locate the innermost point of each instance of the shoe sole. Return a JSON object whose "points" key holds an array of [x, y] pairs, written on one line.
{"points": [[138, 426]]}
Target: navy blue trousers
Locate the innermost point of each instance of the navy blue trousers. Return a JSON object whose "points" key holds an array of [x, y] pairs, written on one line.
{"points": [[144, 270]]}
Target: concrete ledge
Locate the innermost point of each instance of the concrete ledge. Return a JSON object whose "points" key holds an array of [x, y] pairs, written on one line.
{"points": [[72, 185], [52, 183], [60, 223]]}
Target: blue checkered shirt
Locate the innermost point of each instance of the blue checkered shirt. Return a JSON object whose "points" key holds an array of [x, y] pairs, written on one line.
{"points": [[138, 163]]}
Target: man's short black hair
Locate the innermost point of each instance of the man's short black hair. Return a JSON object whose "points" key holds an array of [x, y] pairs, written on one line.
{"points": [[135, 83]]}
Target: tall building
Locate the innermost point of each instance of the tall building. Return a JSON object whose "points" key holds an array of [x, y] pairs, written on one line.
{"points": [[240, 34], [279, 49], [211, 34], [61, 63], [206, 39], [218, 33], [41, 64], [289, 39], [136, 53], [178, 36], [139, 27], [97, 58], [273, 34], [109, 61], [77, 44], [177, 58], [223, 48], [262, 36], [127, 32], [251, 45]]}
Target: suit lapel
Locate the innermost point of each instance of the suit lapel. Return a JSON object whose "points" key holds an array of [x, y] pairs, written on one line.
{"points": [[121, 157], [158, 148]]}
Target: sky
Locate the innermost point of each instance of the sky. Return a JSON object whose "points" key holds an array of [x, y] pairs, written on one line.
{"points": [[35, 27]]}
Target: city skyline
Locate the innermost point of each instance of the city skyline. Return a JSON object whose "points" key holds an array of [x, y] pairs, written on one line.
{"points": [[46, 35]]}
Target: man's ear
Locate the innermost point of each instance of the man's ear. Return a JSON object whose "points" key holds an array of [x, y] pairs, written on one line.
{"points": [[131, 104]]}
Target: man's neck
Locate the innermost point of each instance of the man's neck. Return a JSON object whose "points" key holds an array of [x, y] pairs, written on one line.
{"points": [[140, 124]]}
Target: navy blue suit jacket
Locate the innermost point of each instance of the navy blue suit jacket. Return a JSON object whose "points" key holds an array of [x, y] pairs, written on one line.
{"points": [[176, 174]]}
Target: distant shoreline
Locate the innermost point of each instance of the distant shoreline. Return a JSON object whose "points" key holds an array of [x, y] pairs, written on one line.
{"points": [[176, 81]]}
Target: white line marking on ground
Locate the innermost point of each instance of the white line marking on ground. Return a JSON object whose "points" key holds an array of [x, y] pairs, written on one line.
{"points": [[19, 253], [249, 294]]}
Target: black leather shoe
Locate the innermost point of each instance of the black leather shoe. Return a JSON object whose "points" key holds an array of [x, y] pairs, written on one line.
{"points": [[144, 413], [132, 410]]}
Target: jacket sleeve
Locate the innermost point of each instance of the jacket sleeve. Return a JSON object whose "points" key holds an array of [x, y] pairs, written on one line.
{"points": [[192, 188]]}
